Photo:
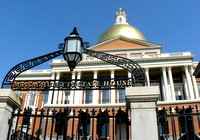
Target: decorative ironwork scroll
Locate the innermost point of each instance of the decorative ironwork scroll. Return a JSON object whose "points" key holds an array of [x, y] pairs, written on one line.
{"points": [[21, 67], [136, 71]]}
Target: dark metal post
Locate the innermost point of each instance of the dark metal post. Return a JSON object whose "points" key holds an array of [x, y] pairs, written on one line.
{"points": [[10, 123]]}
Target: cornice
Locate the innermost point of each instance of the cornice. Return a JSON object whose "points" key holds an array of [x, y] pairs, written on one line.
{"points": [[158, 59], [9, 97], [34, 74]]}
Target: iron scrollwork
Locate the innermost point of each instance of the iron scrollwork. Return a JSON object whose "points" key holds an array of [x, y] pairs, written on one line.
{"points": [[21, 67], [135, 69]]}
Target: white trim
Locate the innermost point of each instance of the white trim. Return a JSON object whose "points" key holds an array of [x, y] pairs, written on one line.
{"points": [[178, 102], [86, 105]]}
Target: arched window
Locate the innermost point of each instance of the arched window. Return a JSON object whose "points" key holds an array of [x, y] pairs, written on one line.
{"points": [[120, 19]]}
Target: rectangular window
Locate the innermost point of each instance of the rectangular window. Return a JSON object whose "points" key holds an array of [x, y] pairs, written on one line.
{"points": [[67, 97], [88, 96], [105, 96], [32, 96], [103, 130], [121, 93], [179, 93], [45, 98]]}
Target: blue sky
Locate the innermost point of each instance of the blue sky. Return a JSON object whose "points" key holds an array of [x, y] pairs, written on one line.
{"points": [[31, 28]]}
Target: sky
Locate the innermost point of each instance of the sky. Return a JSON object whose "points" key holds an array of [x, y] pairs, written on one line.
{"points": [[31, 28]]}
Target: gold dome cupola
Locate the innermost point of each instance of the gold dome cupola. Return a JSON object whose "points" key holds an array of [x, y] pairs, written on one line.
{"points": [[121, 28], [120, 17]]}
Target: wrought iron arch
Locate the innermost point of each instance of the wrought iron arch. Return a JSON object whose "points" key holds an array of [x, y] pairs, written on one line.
{"points": [[135, 69], [26, 65]]}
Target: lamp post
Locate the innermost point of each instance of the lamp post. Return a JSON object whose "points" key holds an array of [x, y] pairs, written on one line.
{"points": [[73, 49]]}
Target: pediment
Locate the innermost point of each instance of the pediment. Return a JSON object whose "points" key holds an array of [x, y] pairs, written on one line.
{"points": [[121, 42]]}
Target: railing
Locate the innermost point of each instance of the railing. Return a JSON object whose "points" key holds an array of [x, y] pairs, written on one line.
{"points": [[73, 124], [179, 123]]}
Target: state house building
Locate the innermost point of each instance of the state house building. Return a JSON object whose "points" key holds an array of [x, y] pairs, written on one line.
{"points": [[172, 72]]}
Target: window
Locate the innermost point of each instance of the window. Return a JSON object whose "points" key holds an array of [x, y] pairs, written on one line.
{"points": [[32, 96], [105, 96], [163, 127], [60, 123], [84, 123], [45, 98], [67, 97], [186, 122], [121, 93], [88, 96], [120, 19], [121, 124], [102, 126], [103, 132], [179, 93]]}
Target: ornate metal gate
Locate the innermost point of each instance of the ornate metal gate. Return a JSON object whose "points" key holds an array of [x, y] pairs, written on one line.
{"points": [[70, 124]]}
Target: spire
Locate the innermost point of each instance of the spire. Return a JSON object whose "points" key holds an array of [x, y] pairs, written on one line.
{"points": [[120, 11], [120, 17]]}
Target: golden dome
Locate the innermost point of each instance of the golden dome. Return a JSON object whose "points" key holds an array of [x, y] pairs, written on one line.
{"points": [[121, 28]]}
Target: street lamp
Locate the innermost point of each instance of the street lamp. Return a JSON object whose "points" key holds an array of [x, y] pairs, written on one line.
{"points": [[73, 49]]}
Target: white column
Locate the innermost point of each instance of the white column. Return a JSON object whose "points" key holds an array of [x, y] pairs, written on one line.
{"points": [[58, 92], [185, 87], [189, 83], [51, 92], [147, 76], [163, 90], [72, 92], [165, 83], [95, 93], [112, 92], [169, 70], [196, 91], [78, 93], [55, 98]]}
